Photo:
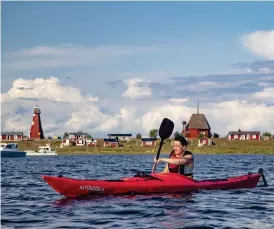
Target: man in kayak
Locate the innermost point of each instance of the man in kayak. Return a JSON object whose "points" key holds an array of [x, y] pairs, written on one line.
{"points": [[179, 161]]}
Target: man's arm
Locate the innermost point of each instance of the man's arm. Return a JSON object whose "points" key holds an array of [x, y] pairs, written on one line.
{"points": [[183, 161]]}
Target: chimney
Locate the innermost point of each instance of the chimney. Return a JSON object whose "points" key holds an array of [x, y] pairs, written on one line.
{"points": [[198, 106]]}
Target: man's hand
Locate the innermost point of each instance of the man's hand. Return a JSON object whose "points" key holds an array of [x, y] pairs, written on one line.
{"points": [[157, 161]]}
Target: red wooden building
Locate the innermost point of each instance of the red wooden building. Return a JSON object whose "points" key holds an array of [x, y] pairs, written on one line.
{"points": [[196, 126], [91, 142], [110, 142], [244, 135], [67, 142], [80, 141], [121, 137], [11, 136], [73, 136], [149, 142], [204, 141]]}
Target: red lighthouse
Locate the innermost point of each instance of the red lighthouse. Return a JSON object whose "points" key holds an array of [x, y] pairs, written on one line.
{"points": [[36, 131]]}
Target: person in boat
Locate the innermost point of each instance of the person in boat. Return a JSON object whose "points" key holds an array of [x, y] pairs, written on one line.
{"points": [[180, 160]]}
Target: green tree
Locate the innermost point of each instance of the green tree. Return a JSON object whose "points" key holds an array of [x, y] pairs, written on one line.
{"points": [[201, 135], [268, 134], [184, 128], [153, 133], [215, 135], [176, 134], [89, 136], [49, 137], [66, 135], [138, 136]]}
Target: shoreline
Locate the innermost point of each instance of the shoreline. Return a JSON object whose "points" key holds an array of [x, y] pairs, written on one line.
{"points": [[64, 153], [221, 146]]}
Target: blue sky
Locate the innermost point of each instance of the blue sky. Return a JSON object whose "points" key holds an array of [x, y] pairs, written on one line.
{"points": [[133, 57]]}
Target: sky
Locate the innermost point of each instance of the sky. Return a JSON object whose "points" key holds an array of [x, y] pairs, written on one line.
{"points": [[121, 67]]}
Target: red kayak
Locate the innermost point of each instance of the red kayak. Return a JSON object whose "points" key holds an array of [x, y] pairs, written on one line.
{"points": [[148, 184]]}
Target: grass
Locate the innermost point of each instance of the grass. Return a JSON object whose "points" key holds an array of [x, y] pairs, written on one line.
{"points": [[222, 146]]}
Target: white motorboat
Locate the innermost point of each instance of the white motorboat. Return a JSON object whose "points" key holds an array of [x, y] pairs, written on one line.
{"points": [[42, 151]]}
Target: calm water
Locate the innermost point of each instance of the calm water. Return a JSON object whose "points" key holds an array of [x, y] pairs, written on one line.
{"points": [[28, 202]]}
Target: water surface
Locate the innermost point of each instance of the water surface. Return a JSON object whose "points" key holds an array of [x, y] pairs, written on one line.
{"points": [[28, 202]]}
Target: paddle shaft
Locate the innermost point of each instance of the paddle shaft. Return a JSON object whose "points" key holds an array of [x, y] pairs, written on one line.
{"points": [[261, 171], [264, 180], [158, 154]]}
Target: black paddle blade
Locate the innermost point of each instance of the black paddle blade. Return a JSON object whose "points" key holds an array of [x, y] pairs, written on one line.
{"points": [[166, 128], [165, 131]]}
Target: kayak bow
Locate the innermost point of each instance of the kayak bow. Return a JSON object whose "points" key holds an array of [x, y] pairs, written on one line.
{"points": [[148, 184]]}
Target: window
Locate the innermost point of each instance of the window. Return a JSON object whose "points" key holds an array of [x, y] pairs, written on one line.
{"points": [[254, 136], [9, 147], [235, 136]]}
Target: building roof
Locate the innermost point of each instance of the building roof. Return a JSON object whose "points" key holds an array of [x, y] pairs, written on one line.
{"points": [[243, 132], [11, 133], [110, 140], [149, 139], [198, 121], [119, 135]]}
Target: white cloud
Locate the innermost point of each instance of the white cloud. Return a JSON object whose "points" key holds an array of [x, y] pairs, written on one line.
{"points": [[14, 123], [176, 113], [124, 116], [17, 115], [44, 51], [68, 56], [84, 116], [205, 86], [266, 94], [224, 116], [261, 43], [135, 90], [178, 100], [108, 125], [124, 121], [40, 88], [231, 115], [89, 116]]}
